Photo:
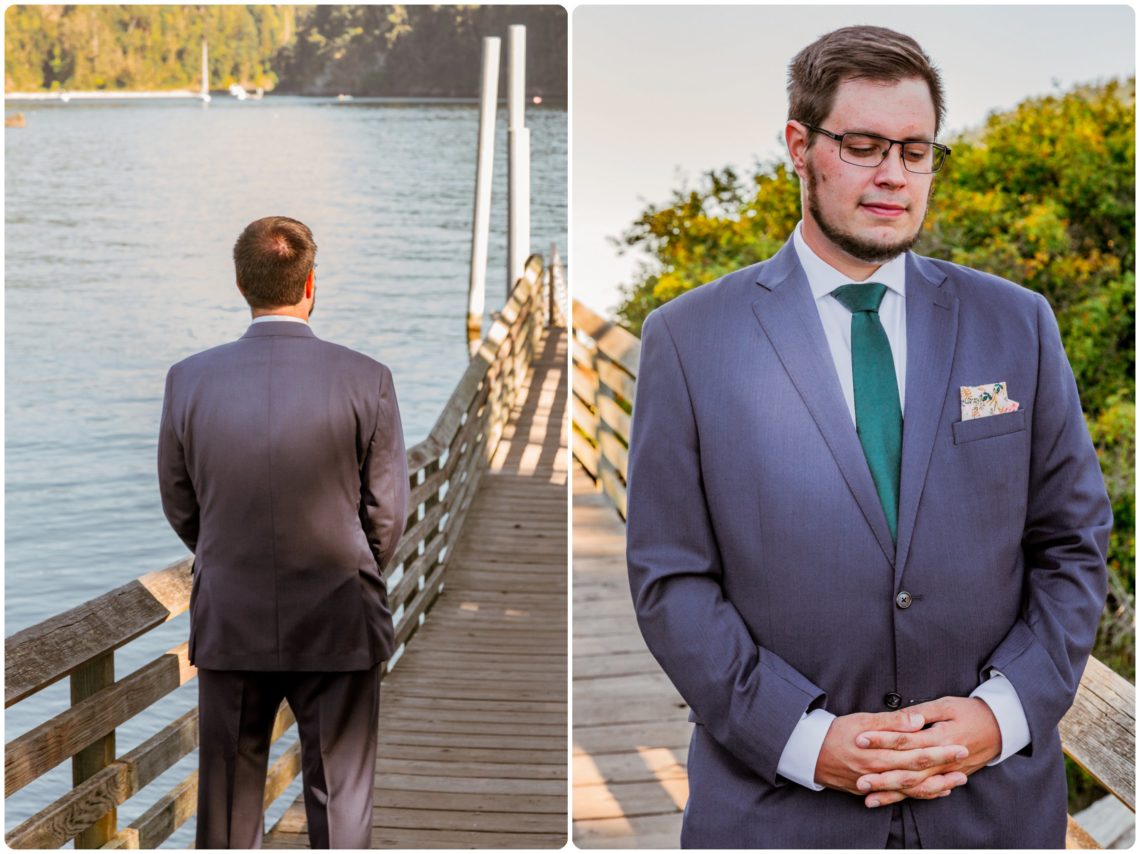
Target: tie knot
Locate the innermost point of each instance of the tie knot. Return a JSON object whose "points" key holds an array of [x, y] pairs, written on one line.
{"points": [[864, 297]]}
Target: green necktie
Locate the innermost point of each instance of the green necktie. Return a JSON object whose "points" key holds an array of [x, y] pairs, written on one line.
{"points": [[878, 417]]}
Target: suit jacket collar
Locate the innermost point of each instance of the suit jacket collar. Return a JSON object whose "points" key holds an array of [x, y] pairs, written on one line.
{"points": [[789, 317], [279, 327]]}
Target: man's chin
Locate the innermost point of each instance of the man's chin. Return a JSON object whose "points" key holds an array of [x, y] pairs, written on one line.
{"points": [[873, 249]]}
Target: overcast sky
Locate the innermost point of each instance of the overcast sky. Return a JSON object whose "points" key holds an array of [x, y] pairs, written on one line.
{"points": [[663, 93]]}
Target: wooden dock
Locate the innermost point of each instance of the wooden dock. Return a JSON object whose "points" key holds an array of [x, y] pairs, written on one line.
{"points": [[472, 739], [631, 729]]}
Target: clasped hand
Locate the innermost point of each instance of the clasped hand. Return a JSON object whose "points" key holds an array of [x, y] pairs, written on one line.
{"points": [[889, 756]]}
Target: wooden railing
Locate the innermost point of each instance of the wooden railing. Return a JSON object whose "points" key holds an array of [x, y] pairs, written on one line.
{"points": [[1098, 733], [444, 470]]}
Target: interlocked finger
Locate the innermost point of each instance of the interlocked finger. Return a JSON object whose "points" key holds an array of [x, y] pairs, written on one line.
{"points": [[935, 786], [907, 777], [925, 759], [888, 740]]}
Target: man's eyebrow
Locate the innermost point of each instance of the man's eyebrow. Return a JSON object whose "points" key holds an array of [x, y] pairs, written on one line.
{"points": [[884, 136]]}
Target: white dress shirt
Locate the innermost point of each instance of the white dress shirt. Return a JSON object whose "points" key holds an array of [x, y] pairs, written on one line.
{"points": [[265, 318], [801, 753]]}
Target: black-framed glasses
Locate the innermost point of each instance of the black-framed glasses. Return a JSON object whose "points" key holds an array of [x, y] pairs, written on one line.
{"points": [[869, 150]]}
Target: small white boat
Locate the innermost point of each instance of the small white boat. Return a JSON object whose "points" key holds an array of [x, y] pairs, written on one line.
{"points": [[238, 92]]}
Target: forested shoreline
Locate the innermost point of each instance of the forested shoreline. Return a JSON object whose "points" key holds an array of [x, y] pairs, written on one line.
{"points": [[302, 50]]}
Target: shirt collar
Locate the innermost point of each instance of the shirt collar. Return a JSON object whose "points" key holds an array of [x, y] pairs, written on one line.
{"points": [[266, 318], [823, 278]]}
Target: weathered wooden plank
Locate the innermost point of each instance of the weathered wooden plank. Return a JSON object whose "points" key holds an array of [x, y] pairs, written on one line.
{"points": [[614, 417], [409, 584], [1099, 730], [1077, 838], [585, 387], [89, 679], [79, 807], [42, 748], [627, 800], [442, 819], [617, 456], [622, 738], [282, 772], [167, 815], [457, 767], [654, 831], [473, 802], [613, 485], [619, 344], [613, 381], [642, 766], [40, 655], [471, 785]]}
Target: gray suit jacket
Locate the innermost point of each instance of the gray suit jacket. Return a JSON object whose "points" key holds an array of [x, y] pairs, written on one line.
{"points": [[281, 465], [763, 571]]}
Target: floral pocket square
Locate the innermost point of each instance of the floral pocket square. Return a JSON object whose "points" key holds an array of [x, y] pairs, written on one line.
{"points": [[982, 401]]}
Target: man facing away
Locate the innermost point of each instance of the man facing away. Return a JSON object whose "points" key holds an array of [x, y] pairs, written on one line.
{"points": [[867, 526], [282, 468]]}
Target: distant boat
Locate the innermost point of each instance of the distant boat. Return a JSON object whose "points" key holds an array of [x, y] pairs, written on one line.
{"points": [[238, 92], [344, 97]]}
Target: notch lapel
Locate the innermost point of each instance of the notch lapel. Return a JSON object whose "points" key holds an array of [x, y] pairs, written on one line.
{"points": [[931, 336], [789, 317]]}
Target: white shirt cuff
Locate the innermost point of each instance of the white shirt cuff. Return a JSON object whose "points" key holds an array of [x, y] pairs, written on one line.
{"points": [[999, 694], [801, 753]]}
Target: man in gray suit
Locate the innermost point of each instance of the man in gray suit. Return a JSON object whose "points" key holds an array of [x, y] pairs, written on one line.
{"points": [[877, 627], [282, 468]]}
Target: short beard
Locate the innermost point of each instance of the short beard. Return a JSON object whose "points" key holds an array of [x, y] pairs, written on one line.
{"points": [[864, 250]]}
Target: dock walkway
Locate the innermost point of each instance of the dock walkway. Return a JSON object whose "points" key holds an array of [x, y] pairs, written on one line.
{"points": [[631, 729], [472, 737]]}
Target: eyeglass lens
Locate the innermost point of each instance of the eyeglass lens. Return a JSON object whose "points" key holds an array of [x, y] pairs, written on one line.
{"points": [[866, 150]]}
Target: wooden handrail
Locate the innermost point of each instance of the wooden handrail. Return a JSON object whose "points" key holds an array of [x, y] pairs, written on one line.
{"points": [[444, 470], [1098, 732]]}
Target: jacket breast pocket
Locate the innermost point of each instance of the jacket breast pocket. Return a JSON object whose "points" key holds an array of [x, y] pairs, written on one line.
{"points": [[987, 428]]}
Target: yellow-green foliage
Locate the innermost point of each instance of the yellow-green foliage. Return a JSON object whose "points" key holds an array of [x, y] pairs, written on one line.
{"points": [[141, 47], [308, 50], [1042, 195]]}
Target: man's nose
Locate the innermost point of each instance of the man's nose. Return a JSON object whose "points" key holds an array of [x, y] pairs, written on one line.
{"points": [[891, 171]]}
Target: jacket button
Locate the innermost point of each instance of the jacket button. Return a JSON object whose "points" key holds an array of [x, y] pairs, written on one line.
{"points": [[892, 701], [903, 600]]}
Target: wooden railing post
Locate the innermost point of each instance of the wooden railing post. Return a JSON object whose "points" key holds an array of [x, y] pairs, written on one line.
{"points": [[88, 679]]}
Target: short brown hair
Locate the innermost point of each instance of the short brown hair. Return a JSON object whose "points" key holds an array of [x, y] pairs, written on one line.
{"points": [[272, 260], [856, 53]]}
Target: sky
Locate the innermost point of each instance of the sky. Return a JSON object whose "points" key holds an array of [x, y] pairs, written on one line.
{"points": [[664, 93]]}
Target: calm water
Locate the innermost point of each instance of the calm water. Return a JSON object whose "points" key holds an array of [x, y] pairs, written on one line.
{"points": [[120, 219]]}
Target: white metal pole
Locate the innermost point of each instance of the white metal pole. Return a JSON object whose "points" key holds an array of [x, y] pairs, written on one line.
{"points": [[205, 93], [518, 153], [484, 168]]}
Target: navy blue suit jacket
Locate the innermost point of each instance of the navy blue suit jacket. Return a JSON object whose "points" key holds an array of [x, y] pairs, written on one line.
{"points": [[763, 571]]}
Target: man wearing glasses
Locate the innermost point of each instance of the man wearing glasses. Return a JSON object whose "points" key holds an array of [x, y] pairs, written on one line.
{"points": [[867, 525]]}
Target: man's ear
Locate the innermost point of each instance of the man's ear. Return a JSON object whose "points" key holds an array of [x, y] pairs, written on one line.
{"points": [[796, 137], [309, 284]]}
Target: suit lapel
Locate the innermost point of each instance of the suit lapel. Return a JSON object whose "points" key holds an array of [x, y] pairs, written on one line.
{"points": [[931, 334], [789, 317]]}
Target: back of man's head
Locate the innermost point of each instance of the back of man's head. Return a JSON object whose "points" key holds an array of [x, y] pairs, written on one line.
{"points": [[272, 260], [856, 53]]}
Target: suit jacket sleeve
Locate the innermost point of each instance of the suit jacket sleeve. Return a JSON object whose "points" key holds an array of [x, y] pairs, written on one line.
{"points": [[384, 478], [179, 501], [748, 698], [1067, 523]]}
